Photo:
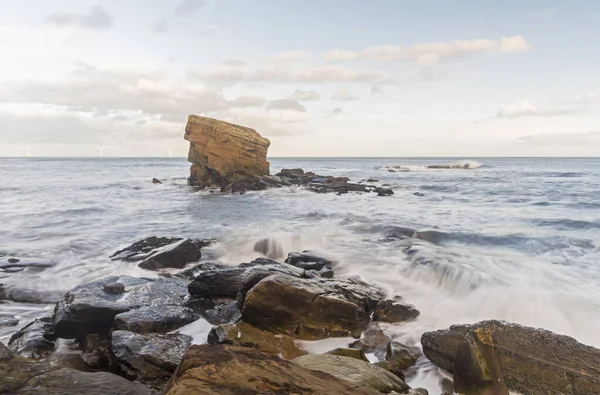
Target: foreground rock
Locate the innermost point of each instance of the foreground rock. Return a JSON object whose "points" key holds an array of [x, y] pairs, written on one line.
{"points": [[90, 308], [34, 340], [533, 361], [311, 309], [160, 319], [229, 370], [143, 248], [361, 373], [222, 153]]}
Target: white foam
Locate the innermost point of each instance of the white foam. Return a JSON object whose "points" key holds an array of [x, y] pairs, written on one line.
{"points": [[198, 330]]}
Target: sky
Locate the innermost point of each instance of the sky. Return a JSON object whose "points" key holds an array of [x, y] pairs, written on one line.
{"points": [[392, 78]]}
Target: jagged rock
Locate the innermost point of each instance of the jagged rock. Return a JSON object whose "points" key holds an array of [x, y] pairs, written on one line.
{"points": [[383, 191], [401, 356], [350, 353], [476, 367], [533, 361], [311, 309], [392, 312], [156, 181], [308, 260], [143, 248], [34, 340], [360, 373], [160, 319], [70, 381], [88, 308], [207, 370], [269, 248], [96, 353], [222, 153], [245, 335], [151, 358], [176, 255], [194, 271]]}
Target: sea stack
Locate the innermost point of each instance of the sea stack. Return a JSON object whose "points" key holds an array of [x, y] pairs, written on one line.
{"points": [[222, 153]]}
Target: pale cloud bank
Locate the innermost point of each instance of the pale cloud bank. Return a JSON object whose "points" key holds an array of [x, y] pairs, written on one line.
{"points": [[96, 19]]}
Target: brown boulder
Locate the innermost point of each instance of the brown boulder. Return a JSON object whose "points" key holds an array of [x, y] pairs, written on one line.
{"points": [[229, 370], [222, 153], [533, 361]]}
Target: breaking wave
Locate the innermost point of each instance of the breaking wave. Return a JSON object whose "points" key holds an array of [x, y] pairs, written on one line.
{"points": [[460, 165]]}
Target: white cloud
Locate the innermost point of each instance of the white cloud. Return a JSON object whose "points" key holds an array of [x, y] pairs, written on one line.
{"points": [[249, 101], [291, 56], [286, 104], [428, 53], [343, 95], [302, 95], [583, 98], [527, 109], [97, 19]]}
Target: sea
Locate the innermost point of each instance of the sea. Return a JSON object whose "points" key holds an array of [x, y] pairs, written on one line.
{"points": [[515, 239]]}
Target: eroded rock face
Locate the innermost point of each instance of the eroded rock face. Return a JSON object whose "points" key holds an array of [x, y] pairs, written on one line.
{"points": [[533, 361], [223, 153], [208, 370], [311, 309]]}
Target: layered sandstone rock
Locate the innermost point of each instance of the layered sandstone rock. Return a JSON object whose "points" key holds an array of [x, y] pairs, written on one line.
{"points": [[223, 153]]}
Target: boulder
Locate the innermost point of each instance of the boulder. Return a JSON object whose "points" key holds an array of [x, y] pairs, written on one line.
{"points": [[159, 319], [176, 255], [401, 356], [360, 373], [269, 248], [311, 309], [156, 181], [88, 308], [229, 370], [34, 340], [350, 353], [150, 358], [245, 335], [143, 248], [308, 260], [392, 312], [70, 381], [292, 173], [533, 361], [222, 153]]}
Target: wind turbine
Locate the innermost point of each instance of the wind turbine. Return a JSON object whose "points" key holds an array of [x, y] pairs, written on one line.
{"points": [[170, 152], [101, 149], [28, 151]]}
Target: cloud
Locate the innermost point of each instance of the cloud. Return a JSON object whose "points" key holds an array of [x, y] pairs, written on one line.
{"points": [[524, 109], [249, 101], [343, 95], [291, 56], [96, 19], [187, 7], [286, 104], [429, 53], [161, 25], [561, 139], [583, 98], [336, 111], [302, 95], [272, 123]]}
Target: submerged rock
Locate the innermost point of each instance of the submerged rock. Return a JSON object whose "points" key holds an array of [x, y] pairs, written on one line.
{"points": [[88, 308], [222, 153], [19, 264], [208, 370], [245, 335], [34, 340], [176, 255], [151, 358], [160, 319], [143, 248], [533, 361], [360, 373], [311, 309], [156, 181]]}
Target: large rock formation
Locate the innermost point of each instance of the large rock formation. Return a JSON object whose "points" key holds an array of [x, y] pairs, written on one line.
{"points": [[533, 361], [223, 153]]}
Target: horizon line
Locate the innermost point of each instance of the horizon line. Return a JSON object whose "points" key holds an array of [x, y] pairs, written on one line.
{"points": [[309, 157]]}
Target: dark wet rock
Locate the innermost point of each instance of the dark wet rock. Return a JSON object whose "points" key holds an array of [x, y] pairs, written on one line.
{"points": [[476, 367], [383, 191], [143, 248], [325, 272], [206, 370], [420, 391], [357, 372], [388, 366], [30, 264], [96, 353], [70, 381], [150, 358], [22, 294], [373, 340], [160, 319], [8, 322], [114, 288], [254, 276], [34, 340], [223, 313], [274, 182], [392, 312], [15, 370], [533, 361], [245, 335], [176, 255], [372, 180], [194, 271], [88, 308], [349, 352], [224, 283], [156, 181], [295, 173], [419, 194], [308, 260], [311, 309], [269, 248], [5, 353], [401, 356]]}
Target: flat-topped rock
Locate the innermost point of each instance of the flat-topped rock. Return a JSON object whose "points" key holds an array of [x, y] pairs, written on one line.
{"points": [[222, 153]]}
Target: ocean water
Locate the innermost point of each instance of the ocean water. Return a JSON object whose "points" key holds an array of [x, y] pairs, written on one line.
{"points": [[511, 239]]}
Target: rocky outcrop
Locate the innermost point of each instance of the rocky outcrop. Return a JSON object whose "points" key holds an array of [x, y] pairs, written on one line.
{"points": [[229, 370], [311, 309], [222, 153], [533, 361]]}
